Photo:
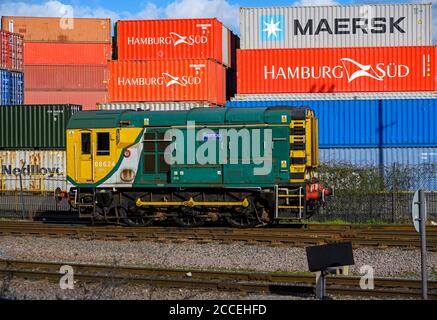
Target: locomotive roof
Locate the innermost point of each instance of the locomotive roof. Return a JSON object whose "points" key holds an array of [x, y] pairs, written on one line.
{"points": [[112, 118]]}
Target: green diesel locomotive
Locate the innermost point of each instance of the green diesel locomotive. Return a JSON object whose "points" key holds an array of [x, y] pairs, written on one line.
{"points": [[245, 166]]}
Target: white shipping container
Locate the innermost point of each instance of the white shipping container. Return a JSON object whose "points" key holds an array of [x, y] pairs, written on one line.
{"points": [[41, 170], [336, 26], [153, 106], [336, 96]]}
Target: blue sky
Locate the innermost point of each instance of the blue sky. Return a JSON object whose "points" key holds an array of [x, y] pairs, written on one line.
{"points": [[226, 10]]}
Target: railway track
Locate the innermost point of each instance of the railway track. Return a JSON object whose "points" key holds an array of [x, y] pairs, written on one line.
{"points": [[311, 234], [245, 282]]}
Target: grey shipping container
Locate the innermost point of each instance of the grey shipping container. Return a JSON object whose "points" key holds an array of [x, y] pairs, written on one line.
{"points": [[336, 96], [416, 166], [362, 157], [41, 170], [35, 126], [153, 106], [336, 26]]}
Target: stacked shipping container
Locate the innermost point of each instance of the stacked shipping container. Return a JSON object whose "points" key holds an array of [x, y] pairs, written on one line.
{"points": [[362, 68], [183, 61], [332, 70], [65, 60], [336, 49], [11, 68], [32, 144], [368, 123]]}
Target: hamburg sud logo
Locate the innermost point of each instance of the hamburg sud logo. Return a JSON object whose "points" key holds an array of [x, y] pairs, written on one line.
{"points": [[175, 38], [166, 79], [348, 67], [272, 28], [356, 70]]}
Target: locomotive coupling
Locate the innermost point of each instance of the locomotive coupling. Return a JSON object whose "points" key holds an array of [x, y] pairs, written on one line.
{"points": [[316, 191]]}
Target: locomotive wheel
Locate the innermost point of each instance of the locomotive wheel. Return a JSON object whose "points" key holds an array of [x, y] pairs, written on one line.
{"points": [[188, 217], [242, 220], [243, 217], [137, 218]]}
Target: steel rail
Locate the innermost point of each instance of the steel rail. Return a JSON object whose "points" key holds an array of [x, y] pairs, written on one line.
{"points": [[249, 282], [310, 235]]}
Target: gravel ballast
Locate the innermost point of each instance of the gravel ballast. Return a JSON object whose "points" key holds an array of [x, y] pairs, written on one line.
{"points": [[392, 262]]}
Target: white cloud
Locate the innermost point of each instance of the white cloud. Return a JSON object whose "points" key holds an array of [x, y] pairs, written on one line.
{"points": [[54, 8], [48, 9], [151, 11], [307, 3], [227, 13]]}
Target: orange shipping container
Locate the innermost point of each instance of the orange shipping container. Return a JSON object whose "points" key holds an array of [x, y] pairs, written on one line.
{"points": [[336, 70], [173, 80], [66, 53], [35, 29], [87, 99], [65, 77], [175, 39]]}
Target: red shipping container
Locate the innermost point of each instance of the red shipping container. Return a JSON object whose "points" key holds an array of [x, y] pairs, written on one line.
{"points": [[65, 77], [336, 70], [66, 53], [16, 51], [5, 56], [11, 50], [173, 80], [175, 39], [87, 99]]}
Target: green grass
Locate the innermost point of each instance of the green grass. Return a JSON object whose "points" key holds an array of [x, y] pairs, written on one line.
{"points": [[9, 219], [341, 221]]}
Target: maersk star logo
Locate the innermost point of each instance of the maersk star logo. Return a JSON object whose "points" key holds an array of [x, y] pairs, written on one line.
{"points": [[272, 28]]}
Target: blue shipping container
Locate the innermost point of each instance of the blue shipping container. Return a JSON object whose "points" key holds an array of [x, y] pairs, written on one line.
{"points": [[12, 87], [4, 88], [16, 88], [368, 123]]}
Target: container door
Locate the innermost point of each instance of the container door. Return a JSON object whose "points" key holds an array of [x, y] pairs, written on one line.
{"points": [[85, 172]]}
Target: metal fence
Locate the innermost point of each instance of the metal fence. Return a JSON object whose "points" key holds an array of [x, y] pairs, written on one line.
{"points": [[379, 193], [27, 205], [362, 194]]}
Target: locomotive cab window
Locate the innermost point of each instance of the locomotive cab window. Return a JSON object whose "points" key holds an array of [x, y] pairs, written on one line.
{"points": [[103, 144], [86, 143]]}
